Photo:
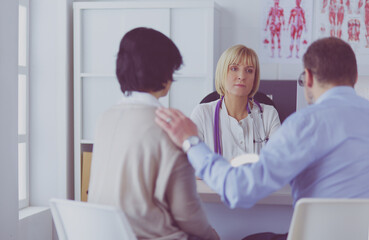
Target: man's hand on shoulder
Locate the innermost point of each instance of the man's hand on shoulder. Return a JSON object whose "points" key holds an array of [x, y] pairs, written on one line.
{"points": [[176, 124]]}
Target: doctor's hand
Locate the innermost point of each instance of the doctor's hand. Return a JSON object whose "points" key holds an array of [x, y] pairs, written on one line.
{"points": [[176, 124]]}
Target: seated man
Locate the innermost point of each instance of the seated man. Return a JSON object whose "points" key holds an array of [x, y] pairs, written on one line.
{"points": [[321, 151]]}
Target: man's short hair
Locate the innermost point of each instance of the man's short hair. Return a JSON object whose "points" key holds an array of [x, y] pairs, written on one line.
{"points": [[332, 61], [146, 61], [235, 55]]}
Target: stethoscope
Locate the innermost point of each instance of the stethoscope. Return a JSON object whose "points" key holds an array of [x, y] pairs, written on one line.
{"points": [[261, 138]]}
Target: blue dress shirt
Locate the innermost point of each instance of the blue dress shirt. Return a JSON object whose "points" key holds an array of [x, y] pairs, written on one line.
{"points": [[322, 151]]}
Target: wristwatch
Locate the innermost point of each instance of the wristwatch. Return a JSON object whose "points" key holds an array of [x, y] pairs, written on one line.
{"points": [[190, 142]]}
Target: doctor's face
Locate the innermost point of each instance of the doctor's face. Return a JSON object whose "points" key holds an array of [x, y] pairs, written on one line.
{"points": [[240, 79]]}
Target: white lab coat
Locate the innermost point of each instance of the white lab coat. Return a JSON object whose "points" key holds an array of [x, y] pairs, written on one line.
{"points": [[237, 137]]}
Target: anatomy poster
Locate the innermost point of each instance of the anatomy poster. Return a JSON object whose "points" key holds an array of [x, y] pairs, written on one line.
{"points": [[348, 20], [286, 30]]}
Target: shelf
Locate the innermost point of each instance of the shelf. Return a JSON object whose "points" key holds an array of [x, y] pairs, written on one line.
{"points": [[98, 30]]}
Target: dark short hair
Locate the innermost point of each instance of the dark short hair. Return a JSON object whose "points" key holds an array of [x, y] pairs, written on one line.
{"points": [[146, 60], [331, 60]]}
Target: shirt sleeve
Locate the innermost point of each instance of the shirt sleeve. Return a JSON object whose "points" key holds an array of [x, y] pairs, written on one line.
{"points": [[185, 203], [283, 158]]}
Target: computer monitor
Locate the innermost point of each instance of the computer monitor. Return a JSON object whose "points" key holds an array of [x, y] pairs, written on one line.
{"points": [[283, 94]]}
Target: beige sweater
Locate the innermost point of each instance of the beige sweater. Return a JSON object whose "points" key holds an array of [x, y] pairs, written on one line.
{"points": [[137, 168]]}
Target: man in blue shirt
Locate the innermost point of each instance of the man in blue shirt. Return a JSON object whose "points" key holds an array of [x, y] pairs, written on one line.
{"points": [[322, 151]]}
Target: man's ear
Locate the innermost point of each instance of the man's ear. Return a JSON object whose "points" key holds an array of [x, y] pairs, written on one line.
{"points": [[309, 79]]}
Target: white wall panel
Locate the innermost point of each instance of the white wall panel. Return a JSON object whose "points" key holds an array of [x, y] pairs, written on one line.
{"points": [[190, 31], [102, 30], [8, 120], [183, 96]]}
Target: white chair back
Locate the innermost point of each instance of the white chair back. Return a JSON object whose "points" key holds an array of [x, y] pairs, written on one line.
{"points": [[330, 219], [76, 220]]}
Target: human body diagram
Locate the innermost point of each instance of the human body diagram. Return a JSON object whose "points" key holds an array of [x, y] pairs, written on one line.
{"points": [[336, 15], [286, 40], [348, 20], [296, 24], [353, 30], [366, 19], [275, 22]]}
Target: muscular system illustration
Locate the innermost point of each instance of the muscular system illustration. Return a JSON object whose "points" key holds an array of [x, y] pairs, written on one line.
{"points": [[275, 22], [296, 24], [366, 19], [336, 16]]}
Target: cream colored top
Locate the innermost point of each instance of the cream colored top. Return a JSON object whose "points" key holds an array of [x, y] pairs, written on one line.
{"points": [[136, 167], [237, 137]]}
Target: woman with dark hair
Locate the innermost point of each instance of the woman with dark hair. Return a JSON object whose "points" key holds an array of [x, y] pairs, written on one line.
{"points": [[135, 165]]}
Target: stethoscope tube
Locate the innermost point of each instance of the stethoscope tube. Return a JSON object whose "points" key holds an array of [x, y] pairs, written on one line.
{"points": [[217, 146]]}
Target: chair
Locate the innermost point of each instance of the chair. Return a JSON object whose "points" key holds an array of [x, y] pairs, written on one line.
{"points": [[81, 221], [330, 219], [259, 97]]}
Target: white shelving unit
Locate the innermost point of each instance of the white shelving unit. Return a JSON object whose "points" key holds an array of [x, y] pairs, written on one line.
{"points": [[98, 29]]}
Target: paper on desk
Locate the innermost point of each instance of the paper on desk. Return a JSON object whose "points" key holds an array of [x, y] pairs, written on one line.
{"points": [[244, 159]]}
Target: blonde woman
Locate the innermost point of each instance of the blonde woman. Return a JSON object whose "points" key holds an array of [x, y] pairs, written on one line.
{"points": [[236, 124]]}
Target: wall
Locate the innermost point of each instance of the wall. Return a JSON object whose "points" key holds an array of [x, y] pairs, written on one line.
{"points": [[362, 86], [51, 95], [8, 120], [51, 142]]}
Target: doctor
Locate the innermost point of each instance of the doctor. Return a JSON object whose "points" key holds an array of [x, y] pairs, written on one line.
{"points": [[236, 124], [321, 151]]}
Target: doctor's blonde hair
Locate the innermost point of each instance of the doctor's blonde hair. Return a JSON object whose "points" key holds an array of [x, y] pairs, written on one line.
{"points": [[238, 54]]}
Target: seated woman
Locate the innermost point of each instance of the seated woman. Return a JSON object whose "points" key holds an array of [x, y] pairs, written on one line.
{"points": [[135, 165], [236, 124]]}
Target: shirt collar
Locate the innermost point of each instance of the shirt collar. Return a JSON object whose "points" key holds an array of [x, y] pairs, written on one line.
{"points": [[141, 98], [339, 90], [225, 112]]}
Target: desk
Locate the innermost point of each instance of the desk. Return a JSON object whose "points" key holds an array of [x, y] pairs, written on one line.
{"points": [[280, 197]]}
